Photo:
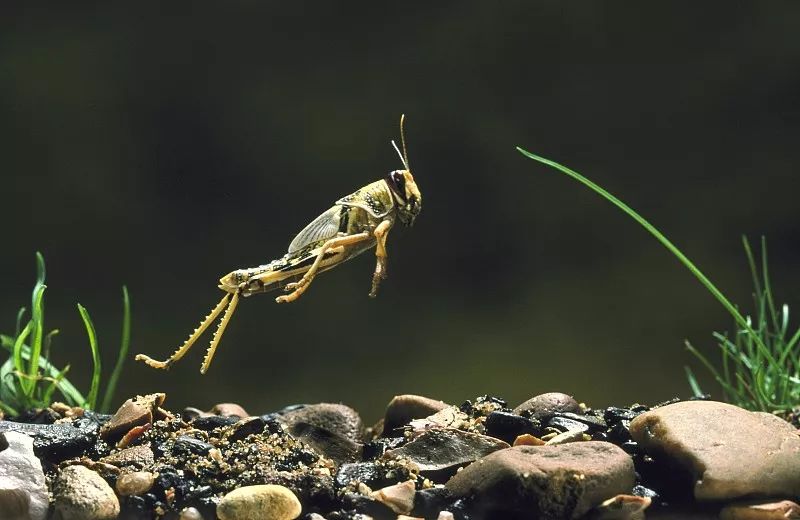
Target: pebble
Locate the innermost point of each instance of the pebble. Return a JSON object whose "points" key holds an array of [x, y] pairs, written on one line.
{"points": [[761, 510], [399, 497], [137, 411], [21, 479], [335, 418], [558, 482], [446, 449], [336, 447], [568, 436], [81, 494], [728, 452], [508, 426], [135, 483], [190, 513], [402, 409], [546, 405], [262, 502], [621, 507], [136, 456], [56, 442], [229, 410]]}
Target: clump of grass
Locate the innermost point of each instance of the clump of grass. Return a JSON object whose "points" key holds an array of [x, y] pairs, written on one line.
{"points": [[760, 366], [29, 380]]}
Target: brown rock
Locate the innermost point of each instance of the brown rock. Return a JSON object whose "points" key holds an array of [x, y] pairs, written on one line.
{"points": [[134, 412], [726, 451], [335, 418], [399, 497], [544, 405], [621, 507], [135, 483], [782, 510], [403, 408], [229, 410], [548, 482], [81, 494], [137, 456]]}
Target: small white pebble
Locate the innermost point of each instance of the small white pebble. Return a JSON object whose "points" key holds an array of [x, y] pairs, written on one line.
{"points": [[445, 515], [190, 513]]}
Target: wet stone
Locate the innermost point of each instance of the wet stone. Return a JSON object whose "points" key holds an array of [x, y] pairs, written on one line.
{"points": [[544, 406], [54, 442], [564, 424], [373, 474], [428, 502], [549, 482], [403, 408], [508, 426], [757, 457], [246, 427], [212, 422], [81, 494], [594, 422], [446, 449]]}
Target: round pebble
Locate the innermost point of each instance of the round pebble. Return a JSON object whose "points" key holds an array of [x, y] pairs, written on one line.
{"points": [[263, 502], [135, 483], [81, 494], [190, 513]]}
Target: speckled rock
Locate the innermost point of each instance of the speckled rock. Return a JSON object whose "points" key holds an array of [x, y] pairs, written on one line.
{"points": [[548, 482], [21, 479], [263, 502], [135, 483], [403, 408], [545, 405], [726, 451], [446, 448], [780, 510], [335, 418], [81, 494]]}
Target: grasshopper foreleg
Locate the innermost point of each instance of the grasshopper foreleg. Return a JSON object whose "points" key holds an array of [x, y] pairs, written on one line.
{"points": [[381, 233], [218, 333], [183, 349]]}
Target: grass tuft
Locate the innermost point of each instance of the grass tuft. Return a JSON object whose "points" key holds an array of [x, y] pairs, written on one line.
{"points": [[761, 365]]}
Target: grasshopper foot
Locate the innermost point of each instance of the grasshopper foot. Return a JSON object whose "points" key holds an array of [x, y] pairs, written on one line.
{"points": [[152, 362]]}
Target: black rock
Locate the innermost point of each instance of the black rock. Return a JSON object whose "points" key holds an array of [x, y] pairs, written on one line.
{"points": [[185, 444], [336, 447], [55, 442], [213, 422], [368, 506], [374, 474], [564, 424], [508, 426], [246, 427], [614, 415], [428, 502], [3, 442], [376, 448], [594, 423]]}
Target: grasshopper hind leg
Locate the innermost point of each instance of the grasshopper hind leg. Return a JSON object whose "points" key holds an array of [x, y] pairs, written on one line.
{"points": [[183, 349]]}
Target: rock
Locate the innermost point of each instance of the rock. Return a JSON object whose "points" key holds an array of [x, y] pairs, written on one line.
{"points": [[429, 502], [229, 410], [372, 474], [755, 510], [399, 497], [527, 439], [246, 427], [212, 422], [548, 482], [335, 418], [136, 456], [403, 408], [336, 447], [727, 452], [56, 442], [81, 494], [134, 412], [21, 479], [262, 502], [450, 417], [190, 513], [546, 405], [445, 515], [135, 483], [621, 507], [568, 436], [446, 449], [508, 426]]}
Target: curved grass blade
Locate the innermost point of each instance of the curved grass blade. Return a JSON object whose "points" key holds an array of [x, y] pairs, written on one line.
{"points": [[91, 399], [125, 341]]}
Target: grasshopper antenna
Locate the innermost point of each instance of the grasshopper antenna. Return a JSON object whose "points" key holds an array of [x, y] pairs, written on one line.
{"points": [[404, 155]]}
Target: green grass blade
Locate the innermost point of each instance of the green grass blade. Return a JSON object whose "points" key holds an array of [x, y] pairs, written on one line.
{"points": [[125, 342], [20, 316], [768, 286], [696, 391], [661, 238], [19, 342], [37, 335], [91, 398], [58, 379]]}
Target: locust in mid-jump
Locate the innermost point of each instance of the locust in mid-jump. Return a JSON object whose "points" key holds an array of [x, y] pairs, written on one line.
{"points": [[356, 223]]}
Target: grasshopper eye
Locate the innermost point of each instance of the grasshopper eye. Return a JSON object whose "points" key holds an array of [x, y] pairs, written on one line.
{"points": [[397, 182]]}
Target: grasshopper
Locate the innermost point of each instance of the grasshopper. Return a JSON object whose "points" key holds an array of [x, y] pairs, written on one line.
{"points": [[355, 224]]}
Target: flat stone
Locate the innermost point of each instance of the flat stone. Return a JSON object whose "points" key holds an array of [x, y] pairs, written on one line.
{"points": [[726, 451], [545, 405], [399, 497], [136, 456], [55, 442], [81, 494], [752, 510], [262, 502], [548, 482], [402, 409], [446, 448], [335, 418], [24, 492], [332, 445], [137, 411]]}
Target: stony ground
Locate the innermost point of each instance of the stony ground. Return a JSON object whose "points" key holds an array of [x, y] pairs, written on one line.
{"points": [[549, 458]]}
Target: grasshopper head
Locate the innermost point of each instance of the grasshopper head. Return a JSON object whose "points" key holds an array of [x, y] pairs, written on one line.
{"points": [[407, 195], [401, 182], [232, 281]]}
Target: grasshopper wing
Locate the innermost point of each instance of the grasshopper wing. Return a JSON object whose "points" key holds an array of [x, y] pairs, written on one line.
{"points": [[323, 227]]}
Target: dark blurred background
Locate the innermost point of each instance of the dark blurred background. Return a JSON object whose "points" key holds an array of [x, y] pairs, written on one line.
{"points": [[163, 146]]}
